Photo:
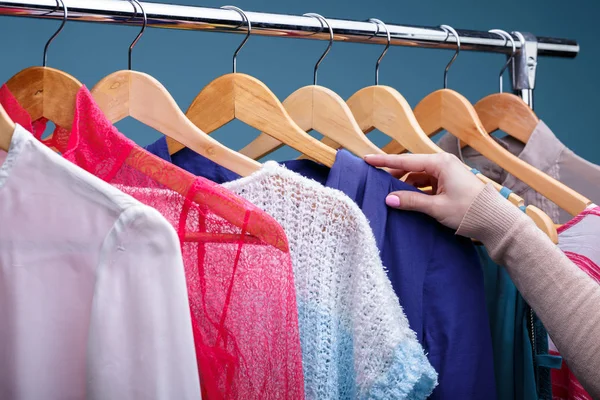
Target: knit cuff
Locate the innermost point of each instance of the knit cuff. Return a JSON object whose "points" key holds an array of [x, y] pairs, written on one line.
{"points": [[489, 218]]}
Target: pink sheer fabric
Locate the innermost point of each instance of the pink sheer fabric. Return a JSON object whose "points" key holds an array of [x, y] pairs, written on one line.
{"points": [[241, 289]]}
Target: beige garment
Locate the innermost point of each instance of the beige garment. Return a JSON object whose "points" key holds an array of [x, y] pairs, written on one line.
{"points": [[545, 152], [564, 297]]}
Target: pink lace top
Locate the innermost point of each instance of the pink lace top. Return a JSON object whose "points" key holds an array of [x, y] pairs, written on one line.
{"points": [[237, 262]]}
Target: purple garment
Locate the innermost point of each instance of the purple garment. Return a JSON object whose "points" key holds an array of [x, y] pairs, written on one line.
{"points": [[436, 274]]}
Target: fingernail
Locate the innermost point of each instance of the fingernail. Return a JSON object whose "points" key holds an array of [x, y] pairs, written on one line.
{"points": [[368, 155], [392, 201]]}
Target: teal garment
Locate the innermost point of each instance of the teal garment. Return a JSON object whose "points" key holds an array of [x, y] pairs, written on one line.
{"points": [[519, 340], [516, 376]]}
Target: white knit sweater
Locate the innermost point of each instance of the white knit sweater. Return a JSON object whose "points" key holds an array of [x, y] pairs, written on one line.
{"points": [[356, 341]]}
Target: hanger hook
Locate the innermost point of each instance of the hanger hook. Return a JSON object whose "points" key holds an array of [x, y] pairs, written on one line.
{"points": [[247, 21], [450, 30], [507, 36], [137, 38], [323, 21], [378, 22], [60, 28]]}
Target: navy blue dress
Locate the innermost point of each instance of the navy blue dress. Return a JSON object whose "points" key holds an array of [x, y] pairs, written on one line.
{"points": [[436, 274]]}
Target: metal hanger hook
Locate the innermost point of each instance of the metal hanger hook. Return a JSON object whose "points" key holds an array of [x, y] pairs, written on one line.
{"points": [[137, 38], [378, 22], [60, 28], [247, 21], [323, 21], [450, 30], [507, 36]]}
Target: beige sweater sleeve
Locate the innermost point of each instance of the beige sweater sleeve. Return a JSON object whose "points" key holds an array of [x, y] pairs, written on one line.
{"points": [[565, 298]]}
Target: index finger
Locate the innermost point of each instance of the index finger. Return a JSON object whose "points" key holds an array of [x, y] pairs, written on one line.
{"points": [[428, 163]]}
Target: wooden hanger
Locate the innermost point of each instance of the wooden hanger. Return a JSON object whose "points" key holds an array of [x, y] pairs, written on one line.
{"points": [[242, 97], [47, 92], [543, 222], [7, 127], [140, 96], [377, 107], [505, 111], [508, 113], [389, 112], [245, 98], [449, 110], [498, 111], [384, 108], [316, 107]]}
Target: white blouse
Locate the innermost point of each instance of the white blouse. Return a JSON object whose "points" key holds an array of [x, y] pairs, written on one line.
{"points": [[93, 299]]}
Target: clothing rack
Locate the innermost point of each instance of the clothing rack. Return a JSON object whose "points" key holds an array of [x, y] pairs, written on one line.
{"points": [[291, 26]]}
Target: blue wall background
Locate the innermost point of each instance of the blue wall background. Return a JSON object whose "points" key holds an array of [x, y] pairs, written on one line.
{"points": [[184, 61]]}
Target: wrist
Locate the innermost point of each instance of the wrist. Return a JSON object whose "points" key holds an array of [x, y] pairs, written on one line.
{"points": [[489, 217]]}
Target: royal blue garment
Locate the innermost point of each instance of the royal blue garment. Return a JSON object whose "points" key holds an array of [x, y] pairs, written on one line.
{"points": [[436, 274]]}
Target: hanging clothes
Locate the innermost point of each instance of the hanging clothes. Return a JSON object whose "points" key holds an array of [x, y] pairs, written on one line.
{"points": [[241, 291], [545, 152], [436, 274], [94, 300], [548, 154], [330, 254]]}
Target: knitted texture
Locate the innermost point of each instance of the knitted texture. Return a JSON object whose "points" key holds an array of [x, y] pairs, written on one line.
{"points": [[240, 290], [356, 341]]}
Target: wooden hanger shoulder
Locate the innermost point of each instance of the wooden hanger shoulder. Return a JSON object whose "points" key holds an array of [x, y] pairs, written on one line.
{"points": [[46, 92], [383, 108], [459, 118], [214, 106], [449, 110], [329, 121], [135, 94], [249, 100], [321, 109], [509, 113], [261, 147], [543, 221], [111, 94], [215, 100]]}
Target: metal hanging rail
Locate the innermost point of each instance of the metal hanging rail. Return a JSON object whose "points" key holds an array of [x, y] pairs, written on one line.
{"points": [[219, 20]]}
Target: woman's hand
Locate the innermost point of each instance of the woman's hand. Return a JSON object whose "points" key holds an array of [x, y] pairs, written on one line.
{"points": [[453, 186]]}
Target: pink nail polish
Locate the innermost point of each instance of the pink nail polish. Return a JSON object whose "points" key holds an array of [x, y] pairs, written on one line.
{"points": [[392, 201]]}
